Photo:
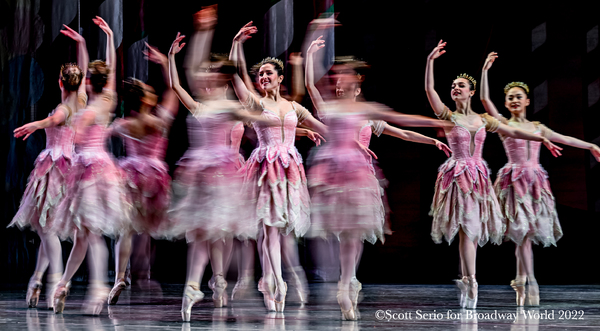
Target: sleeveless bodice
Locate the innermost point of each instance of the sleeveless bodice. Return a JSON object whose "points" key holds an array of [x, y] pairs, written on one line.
{"points": [[345, 129]]}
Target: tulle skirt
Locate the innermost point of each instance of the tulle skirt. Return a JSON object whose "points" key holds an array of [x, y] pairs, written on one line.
{"points": [[465, 199], [528, 204]]}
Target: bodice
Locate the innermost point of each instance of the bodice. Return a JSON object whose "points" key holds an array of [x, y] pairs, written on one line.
{"points": [[459, 139], [210, 130], [152, 146], [278, 135], [95, 139], [345, 129], [522, 152]]}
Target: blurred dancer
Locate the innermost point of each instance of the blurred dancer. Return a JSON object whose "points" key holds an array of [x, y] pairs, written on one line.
{"points": [[148, 181], [213, 208], [345, 193], [522, 185], [274, 173], [96, 203], [46, 187], [464, 202]]}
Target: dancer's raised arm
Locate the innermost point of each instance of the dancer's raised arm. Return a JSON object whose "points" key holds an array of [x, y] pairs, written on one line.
{"points": [[297, 91], [309, 76], [111, 54], [489, 106], [82, 60], [169, 98], [434, 98], [182, 94], [241, 85]]}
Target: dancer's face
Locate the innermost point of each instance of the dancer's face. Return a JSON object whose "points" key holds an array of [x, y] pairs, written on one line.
{"points": [[516, 100], [346, 82], [460, 89], [268, 78], [150, 98]]}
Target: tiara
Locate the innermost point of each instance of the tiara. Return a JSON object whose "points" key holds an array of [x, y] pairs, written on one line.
{"points": [[272, 59], [516, 84], [471, 79]]}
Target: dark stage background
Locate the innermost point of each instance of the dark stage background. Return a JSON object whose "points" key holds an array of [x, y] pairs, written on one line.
{"points": [[553, 49]]}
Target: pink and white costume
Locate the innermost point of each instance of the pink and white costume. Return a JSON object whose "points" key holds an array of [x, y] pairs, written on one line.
{"points": [[464, 197], [96, 196], [345, 194], [524, 193], [274, 176], [148, 182], [213, 203], [46, 186]]}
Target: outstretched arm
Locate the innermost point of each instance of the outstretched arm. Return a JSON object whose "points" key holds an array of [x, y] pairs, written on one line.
{"points": [[381, 112], [314, 94], [434, 98], [314, 136], [415, 137], [200, 43], [513, 132], [489, 106], [26, 130], [111, 54], [182, 94], [574, 142]]}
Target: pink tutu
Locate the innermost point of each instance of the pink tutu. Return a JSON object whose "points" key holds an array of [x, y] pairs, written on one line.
{"points": [[46, 186], [346, 196], [212, 205], [464, 197], [525, 196], [96, 197], [148, 183]]}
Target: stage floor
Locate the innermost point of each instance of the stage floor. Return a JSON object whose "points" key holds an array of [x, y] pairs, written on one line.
{"points": [[383, 307]]}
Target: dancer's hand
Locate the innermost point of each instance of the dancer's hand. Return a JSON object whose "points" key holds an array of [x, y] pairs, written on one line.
{"points": [[103, 25], [366, 149], [555, 150], [437, 51], [595, 150], [26, 130], [175, 46], [315, 45], [315, 136], [154, 55], [296, 59], [490, 59], [72, 34], [206, 18], [245, 33], [443, 147]]}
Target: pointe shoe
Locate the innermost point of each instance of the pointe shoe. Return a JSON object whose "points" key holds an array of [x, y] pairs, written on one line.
{"points": [[119, 286], [280, 292], [190, 297], [519, 287], [241, 288], [34, 289], [267, 288], [96, 299], [218, 284], [471, 303], [533, 294], [300, 286], [51, 283], [60, 296], [462, 285], [355, 287], [343, 290]]}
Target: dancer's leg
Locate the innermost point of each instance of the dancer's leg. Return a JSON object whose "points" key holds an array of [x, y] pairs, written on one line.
{"points": [[123, 253], [468, 249]]}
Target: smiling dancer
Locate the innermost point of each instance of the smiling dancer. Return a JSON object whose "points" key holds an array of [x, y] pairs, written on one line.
{"points": [[522, 184], [464, 202]]}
